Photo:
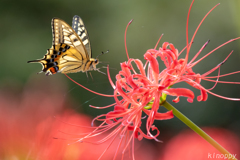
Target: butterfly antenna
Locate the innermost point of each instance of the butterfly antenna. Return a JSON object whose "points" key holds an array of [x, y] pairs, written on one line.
{"points": [[103, 62], [102, 53]]}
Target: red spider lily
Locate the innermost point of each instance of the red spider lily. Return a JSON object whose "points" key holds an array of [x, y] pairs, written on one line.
{"points": [[141, 91], [180, 70], [127, 115]]}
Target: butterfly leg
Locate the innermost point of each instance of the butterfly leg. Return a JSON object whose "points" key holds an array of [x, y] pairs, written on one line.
{"points": [[108, 67], [40, 72], [91, 75], [100, 71], [87, 75]]}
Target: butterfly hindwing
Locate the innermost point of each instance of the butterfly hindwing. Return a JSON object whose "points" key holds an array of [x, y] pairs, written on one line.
{"points": [[67, 59]]}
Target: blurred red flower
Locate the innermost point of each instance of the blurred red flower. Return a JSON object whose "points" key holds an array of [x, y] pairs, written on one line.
{"points": [[28, 124], [187, 145], [35, 124]]}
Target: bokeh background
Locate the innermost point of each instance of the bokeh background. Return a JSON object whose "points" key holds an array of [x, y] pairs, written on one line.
{"points": [[26, 35]]}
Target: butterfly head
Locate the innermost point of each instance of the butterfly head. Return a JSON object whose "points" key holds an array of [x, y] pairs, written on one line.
{"points": [[94, 62]]}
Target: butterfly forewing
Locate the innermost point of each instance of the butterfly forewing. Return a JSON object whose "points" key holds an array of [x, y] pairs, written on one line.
{"points": [[63, 33], [80, 29]]}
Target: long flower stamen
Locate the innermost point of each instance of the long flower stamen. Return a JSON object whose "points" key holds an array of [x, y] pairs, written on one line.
{"points": [[126, 38], [105, 95], [193, 64], [188, 50]]}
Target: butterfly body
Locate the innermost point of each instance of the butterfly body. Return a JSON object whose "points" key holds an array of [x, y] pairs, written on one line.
{"points": [[70, 51]]}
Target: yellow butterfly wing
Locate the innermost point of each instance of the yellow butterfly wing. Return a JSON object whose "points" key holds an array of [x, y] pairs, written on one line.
{"points": [[79, 27], [68, 53]]}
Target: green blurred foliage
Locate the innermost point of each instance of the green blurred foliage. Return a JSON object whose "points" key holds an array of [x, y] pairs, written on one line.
{"points": [[26, 35]]}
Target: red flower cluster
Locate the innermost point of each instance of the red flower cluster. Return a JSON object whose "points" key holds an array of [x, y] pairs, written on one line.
{"points": [[141, 88]]}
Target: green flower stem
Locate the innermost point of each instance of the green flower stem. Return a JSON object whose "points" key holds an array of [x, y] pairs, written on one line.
{"points": [[198, 130]]}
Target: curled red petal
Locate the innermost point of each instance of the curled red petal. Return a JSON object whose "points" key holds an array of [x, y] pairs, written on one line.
{"points": [[140, 67], [119, 108], [176, 100], [154, 65], [164, 45], [203, 96], [131, 82], [154, 52], [138, 134], [180, 92], [161, 116], [153, 61], [125, 69], [154, 128], [130, 128]]}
